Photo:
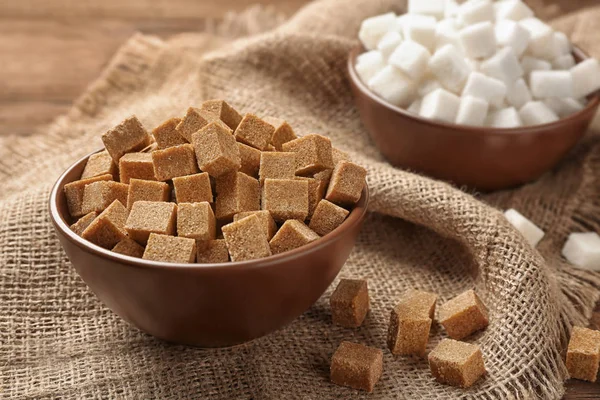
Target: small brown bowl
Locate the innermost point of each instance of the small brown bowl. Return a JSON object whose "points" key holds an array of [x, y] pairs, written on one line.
{"points": [[479, 157], [207, 305]]}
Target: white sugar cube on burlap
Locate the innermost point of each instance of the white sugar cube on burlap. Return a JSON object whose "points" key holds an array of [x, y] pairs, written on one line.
{"points": [[474, 11], [420, 29], [489, 89], [564, 62], [415, 107], [541, 43], [434, 8], [411, 58], [394, 86], [518, 94], [563, 107], [514, 10], [503, 65], [478, 40], [562, 43], [537, 113], [446, 33], [504, 118], [583, 250], [546, 84], [586, 78], [528, 229], [511, 34], [440, 105], [372, 29], [369, 64], [388, 43], [530, 64], [472, 111], [428, 86], [450, 68]]}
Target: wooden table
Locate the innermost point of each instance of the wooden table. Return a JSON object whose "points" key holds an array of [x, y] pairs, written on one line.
{"points": [[51, 50]]}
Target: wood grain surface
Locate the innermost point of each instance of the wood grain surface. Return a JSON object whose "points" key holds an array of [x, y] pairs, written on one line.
{"points": [[51, 50]]}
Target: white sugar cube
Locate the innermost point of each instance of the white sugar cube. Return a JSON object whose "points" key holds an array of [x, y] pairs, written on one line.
{"points": [[429, 86], [504, 65], [564, 62], [451, 10], [446, 33], [562, 43], [583, 250], [504, 118], [518, 94], [537, 113], [478, 40], [394, 86], [388, 43], [435, 8], [449, 67], [369, 64], [372, 29], [563, 107], [514, 10], [546, 84], [489, 89], [411, 58], [473, 64], [472, 111], [440, 105], [541, 43], [528, 229], [586, 77], [415, 107], [511, 34], [530, 64], [474, 11], [420, 29]]}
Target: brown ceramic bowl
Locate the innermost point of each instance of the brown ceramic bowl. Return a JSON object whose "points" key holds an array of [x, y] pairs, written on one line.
{"points": [[208, 305], [479, 157]]}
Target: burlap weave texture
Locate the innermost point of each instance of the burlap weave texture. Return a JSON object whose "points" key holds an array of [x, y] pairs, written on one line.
{"points": [[58, 340]]}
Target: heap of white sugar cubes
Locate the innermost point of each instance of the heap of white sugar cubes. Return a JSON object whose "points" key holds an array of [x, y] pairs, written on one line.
{"points": [[475, 62]]}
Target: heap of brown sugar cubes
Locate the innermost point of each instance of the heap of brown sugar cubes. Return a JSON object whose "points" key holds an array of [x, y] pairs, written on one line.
{"points": [[212, 186]]}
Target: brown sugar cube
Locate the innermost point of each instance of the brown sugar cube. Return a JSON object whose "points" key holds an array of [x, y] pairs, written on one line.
{"points": [[268, 223], [250, 160], [216, 150], [277, 165], [136, 165], [246, 239], [100, 164], [129, 136], [456, 363], [166, 134], [99, 195], [148, 217], [196, 119], [283, 132], [223, 111], [174, 161], [327, 217], [316, 192], [211, 251], [291, 235], [140, 190], [337, 155], [170, 249], [285, 199], [350, 303], [324, 177], [74, 193], [357, 366], [83, 222], [196, 221], [583, 354], [313, 154], [107, 229], [346, 184], [463, 315], [193, 188], [129, 247], [236, 193], [410, 322], [254, 132]]}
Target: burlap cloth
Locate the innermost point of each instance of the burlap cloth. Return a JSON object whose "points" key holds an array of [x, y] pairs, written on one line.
{"points": [[58, 340]]}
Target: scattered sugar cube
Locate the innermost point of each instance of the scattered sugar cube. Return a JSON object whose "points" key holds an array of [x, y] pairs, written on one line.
{"points": [[356, 366], [586, 78], [504, 65], [83, 222], [216, 150], [196, 221], [512, 34], [129, 136], [313, 153], [427, 87], [518, 94], [415, 107], [99, 195], [283, 132], [562, 43], [166, 134], [129, 247], [478, 40], [475, 11], [528, 229], [148, 217], [463, 315], [411, 58], [285, 199], [108, 228], [563, 107], [193, 188], [435, 8], [504, 118], [564, 62], [291, 235], [141, 190], [350, 303], [420, 29], [196, 119], [267, 221], [223, 111], [277, 165], [537, 113], [249, 159], [394, 86], [541, 42], [489, 89], [583, 354], [515, 10], [211, 251], [170, 249], [372, 29], [246, 239], [450, 68], [347, 183], [583, 250], [456, 363], [254, 132], [446, 32], [327, 217], [410, 323], [370, 64], [388, 43], [530, 64], [100, 164], [440, 105], [546, 84], [472, 111], [236, 192], [174, 161], [136, 165], [74, 193]]}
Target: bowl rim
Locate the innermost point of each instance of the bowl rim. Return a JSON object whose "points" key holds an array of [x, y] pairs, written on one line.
{"points": [[593, 102], [355, 217]]}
